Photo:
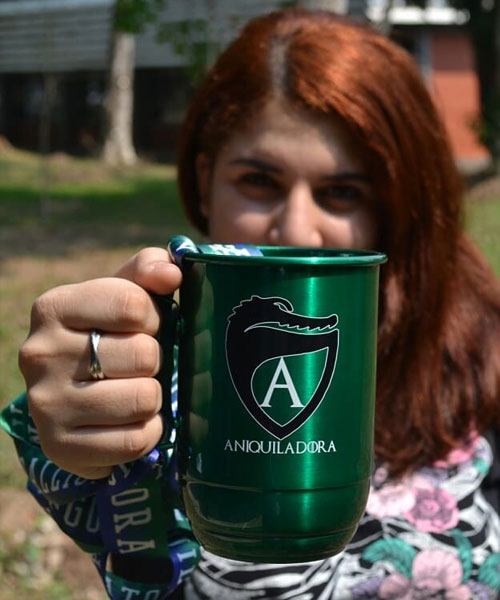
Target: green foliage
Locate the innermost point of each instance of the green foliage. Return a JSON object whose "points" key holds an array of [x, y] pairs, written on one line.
{"points": [[489, 129], [131, 16], [190, 38]]}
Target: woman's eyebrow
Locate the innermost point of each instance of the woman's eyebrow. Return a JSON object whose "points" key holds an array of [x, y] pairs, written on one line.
{"points": [[257, 164]]}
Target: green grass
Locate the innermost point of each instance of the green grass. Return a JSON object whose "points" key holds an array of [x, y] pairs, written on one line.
{"points": [[65, 220], [483, 224], [84, 197], [121, 198]]}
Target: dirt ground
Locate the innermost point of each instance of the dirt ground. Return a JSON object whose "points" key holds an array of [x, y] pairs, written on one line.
{"points": [[41, 553], [37, 560]]}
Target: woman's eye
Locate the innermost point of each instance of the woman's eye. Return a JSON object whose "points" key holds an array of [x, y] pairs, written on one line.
{"points": [[258, 180], [259, 186], [343, 197]]}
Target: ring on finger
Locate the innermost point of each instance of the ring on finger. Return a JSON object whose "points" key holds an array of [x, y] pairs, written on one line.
{"points": [[96, 371]]}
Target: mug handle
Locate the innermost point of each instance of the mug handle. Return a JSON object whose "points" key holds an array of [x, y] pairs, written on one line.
{"points": [[168, 338], [168, 335]]}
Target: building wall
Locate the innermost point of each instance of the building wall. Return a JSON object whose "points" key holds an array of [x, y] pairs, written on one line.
{"points": [[71, 38], [73, 35], [453, 84], [48, 36]]}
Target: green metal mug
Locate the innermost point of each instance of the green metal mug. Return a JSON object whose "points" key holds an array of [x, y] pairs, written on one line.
{"points": [[276, 391]]}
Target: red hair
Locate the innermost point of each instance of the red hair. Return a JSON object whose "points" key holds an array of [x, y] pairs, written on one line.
{"points": [[438, 369]]}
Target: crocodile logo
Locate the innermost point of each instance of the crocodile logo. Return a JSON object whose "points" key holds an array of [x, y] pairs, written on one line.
{"points": [[281, 363]]}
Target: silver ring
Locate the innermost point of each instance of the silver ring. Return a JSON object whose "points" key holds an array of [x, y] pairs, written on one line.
{"points": [[95, 364]]}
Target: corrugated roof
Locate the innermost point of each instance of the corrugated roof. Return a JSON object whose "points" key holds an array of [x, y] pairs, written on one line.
{"points": [[69, 35], [16, 7], [54, 35]]}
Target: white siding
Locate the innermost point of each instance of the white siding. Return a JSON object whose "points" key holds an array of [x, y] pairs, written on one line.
{"points": [[54, 36], [69, 35]]}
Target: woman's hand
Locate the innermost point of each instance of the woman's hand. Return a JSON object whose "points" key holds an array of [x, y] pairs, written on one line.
{"points": [[85, 425]]}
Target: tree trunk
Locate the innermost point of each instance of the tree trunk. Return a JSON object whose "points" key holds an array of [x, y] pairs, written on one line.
{"points": [[385, 25], [118, 145]]}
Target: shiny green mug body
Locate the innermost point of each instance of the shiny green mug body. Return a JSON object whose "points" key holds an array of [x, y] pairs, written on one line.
{"points": [[276, 389]]}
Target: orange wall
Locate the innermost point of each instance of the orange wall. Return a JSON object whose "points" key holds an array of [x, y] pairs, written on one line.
{"points": [[454, 86]]}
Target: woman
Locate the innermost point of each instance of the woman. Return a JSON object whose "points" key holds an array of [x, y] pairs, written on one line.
{"points": [[313, 131]]}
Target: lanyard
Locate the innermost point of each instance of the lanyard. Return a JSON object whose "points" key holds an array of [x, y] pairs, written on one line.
{"points": [[136, 511]]}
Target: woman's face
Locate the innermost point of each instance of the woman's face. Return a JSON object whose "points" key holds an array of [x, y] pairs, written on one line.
{"points": [[290, 179]]}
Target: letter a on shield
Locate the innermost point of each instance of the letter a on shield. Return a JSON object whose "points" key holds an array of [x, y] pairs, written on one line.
{"points": [[289, 385]]}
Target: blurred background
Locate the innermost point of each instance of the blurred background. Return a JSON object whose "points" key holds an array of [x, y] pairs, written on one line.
{"points": [[92, 93]]}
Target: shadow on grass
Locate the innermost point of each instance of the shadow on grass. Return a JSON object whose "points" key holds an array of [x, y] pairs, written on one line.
{"points": [[144, 212]]}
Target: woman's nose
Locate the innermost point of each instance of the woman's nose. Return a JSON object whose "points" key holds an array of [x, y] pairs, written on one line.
{"points": [[296, 221]]}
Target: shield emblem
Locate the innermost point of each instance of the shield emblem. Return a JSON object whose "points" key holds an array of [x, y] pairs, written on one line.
{"points": [[287, 365]]}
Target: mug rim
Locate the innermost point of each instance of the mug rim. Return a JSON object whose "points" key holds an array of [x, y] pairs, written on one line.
{"points": [[293, 255]]}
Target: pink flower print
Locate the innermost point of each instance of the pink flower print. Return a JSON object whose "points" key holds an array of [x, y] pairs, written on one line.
{"points": [[391, 500], [435, 574], [434, 510], [460, 455]]}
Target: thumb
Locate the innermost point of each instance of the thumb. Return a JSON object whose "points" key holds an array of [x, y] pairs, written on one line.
{"points": [[153, 270]]}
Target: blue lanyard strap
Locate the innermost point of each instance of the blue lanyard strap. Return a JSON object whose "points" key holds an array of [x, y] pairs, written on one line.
{"points": [[134, 512]]}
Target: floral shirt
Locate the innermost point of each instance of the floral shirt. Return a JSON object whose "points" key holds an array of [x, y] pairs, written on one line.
{"points": [[430, 535]]}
